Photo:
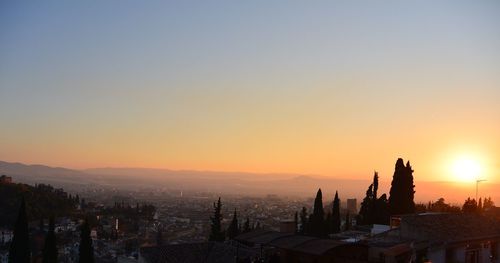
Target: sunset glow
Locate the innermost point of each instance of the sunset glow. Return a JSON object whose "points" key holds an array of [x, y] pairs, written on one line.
{"points": [[337, 89], [466, 169]]}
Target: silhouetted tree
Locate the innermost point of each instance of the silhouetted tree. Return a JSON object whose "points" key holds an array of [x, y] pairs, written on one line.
{"points": [[365, 212], [296, 221], [441, 206], [347, 222], [232, 230], [216, 233], [488, 204], [317, 219], [336, 214], [329, 222], [50, 246], [480, 205], [246, 226], [19, 251], [470, 206], [86, 249], [303, 221], [402, 189], [159, 234], [374, 210], [41, 201], [373, 213], [381, 213]]}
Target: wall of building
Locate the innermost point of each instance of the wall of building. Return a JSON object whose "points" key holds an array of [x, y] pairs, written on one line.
{"points": [[496, 246], [458, 253], [437, 255]]}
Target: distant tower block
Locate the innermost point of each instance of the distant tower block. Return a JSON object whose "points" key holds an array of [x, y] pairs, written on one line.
{"points": [[352, 205]]}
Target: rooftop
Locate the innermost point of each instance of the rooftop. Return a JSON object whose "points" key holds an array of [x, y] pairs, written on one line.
{"points": [[289, 241], [449, 227], [194, 252]]}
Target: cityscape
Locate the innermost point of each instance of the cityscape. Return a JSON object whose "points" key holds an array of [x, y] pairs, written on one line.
{"points": [[249, 132]]}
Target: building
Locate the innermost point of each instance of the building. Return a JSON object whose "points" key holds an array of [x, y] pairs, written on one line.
{"points": [[438, 237], [352, 206], [292, 248]]}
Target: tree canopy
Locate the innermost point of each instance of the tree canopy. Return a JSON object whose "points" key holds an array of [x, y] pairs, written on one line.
{"points": [[402, 189]]}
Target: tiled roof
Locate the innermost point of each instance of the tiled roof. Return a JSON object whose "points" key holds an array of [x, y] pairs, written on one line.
{"points": [[209, 252], [318, 246], [289, 241], [451, 227], [265, 238], [398, 250], [249, 235]]}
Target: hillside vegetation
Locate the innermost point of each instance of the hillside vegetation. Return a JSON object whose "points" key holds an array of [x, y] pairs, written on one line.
{"points": [[42, 201]]}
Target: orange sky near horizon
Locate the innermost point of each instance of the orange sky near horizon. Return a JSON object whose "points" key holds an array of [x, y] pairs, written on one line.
{"points": [[334, 89]]}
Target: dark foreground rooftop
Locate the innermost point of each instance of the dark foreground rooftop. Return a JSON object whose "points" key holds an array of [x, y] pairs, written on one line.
{"points": [[209, 252]]}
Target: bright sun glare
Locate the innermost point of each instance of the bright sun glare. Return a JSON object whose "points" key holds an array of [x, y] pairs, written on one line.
{"points": [[466, 169]]}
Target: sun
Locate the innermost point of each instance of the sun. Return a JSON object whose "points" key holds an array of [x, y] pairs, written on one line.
{"points": [[466, 169]]}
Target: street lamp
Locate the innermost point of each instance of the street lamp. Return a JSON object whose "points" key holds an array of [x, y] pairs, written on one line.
{"points": [[477, 187]]}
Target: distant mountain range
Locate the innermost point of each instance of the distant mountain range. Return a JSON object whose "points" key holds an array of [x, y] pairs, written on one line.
{"points": [[231, 182]]}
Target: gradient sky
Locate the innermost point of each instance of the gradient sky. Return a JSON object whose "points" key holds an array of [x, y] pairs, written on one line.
{"points": [[336, 88]]}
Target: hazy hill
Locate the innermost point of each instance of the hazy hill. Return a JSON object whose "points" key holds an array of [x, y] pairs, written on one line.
{"points": [[42, 201], [234, 182], [32, 174]]}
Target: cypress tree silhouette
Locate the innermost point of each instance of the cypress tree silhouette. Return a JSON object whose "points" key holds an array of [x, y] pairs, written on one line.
{"points": [[246, 225], [347, 221], [303, 221], [216, 233], [86, 249], [329, 222], [373, 210], [50, 246], [380, 213], [402, 190], [317, 219], [336, 214], [232, 230], [365, 212], [159, 235], [296, 221], [19, 251]]}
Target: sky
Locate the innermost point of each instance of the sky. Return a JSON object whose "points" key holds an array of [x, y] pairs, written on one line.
{"points": [[333, 88]]}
